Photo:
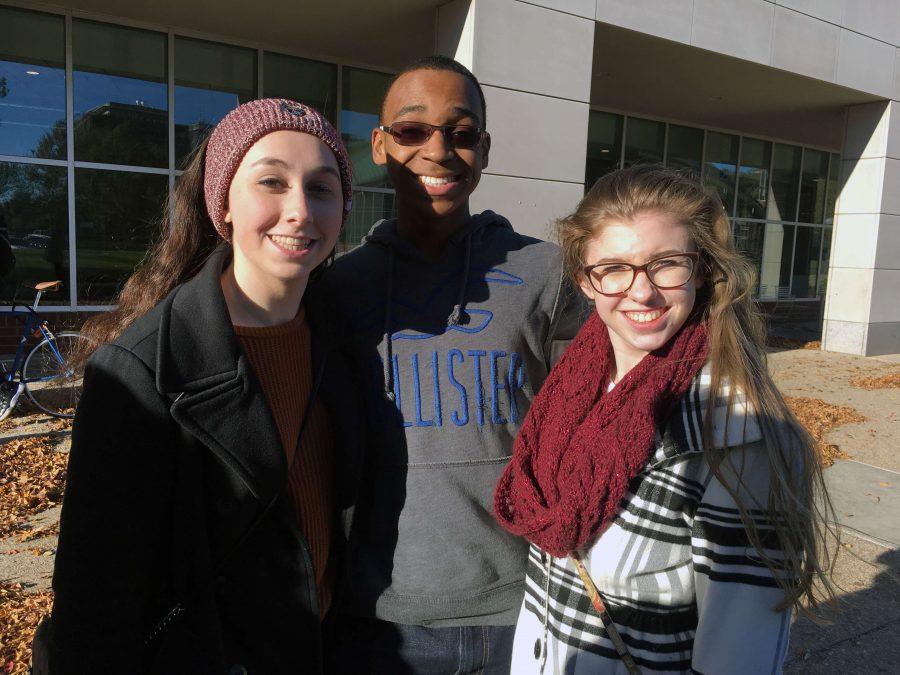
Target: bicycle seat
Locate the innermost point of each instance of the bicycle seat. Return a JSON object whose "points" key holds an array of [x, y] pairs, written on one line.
{"points": [[48, 286]]}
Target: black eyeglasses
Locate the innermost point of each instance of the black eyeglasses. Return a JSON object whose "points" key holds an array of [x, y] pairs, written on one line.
{"points": [[665, 272], [460, 137]]}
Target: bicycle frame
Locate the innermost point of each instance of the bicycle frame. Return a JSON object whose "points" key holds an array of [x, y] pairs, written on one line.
{"points": [[32, 322]]}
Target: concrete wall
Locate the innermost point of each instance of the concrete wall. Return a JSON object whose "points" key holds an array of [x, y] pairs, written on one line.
{"points": [[534, 64], [862, 309], [853, 43]]}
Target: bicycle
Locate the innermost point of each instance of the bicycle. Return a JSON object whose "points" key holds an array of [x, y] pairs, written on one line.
{"points": [[44, 374]]}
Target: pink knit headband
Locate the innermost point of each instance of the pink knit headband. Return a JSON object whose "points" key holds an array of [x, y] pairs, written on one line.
{"points": [[246, 124]]}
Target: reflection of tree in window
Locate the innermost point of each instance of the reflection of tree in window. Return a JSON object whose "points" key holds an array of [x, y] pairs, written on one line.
{"points": [[34, 204], [720, 166], [116, 215]]}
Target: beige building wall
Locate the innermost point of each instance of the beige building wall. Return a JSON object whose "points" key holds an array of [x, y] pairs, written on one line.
{"points": [[534, 64], [862, 310]]}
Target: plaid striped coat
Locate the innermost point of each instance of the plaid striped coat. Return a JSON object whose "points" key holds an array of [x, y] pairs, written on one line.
{"points": [[685, 588]]}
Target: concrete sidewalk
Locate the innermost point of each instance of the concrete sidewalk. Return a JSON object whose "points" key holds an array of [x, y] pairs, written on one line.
{"points": [[865, 493]]}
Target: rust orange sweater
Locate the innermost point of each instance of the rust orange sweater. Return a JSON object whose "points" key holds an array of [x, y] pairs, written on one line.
{"points": [[281, 358]]}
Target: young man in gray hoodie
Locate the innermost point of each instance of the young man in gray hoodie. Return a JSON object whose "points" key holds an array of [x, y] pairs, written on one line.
{"points": [[456, 317]]}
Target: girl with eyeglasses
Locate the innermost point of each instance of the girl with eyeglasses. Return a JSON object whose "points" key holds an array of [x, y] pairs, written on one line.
{"points": [[217, 445], [674, 505]]}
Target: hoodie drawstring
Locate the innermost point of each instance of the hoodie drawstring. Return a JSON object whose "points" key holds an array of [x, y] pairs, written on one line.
{"points": [[458, 316], [388, 346]]}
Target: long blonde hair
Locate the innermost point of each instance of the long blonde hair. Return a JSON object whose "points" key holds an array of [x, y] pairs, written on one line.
{"points": [[798, 504]]}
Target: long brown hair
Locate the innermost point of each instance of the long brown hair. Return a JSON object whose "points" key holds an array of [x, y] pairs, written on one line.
{"points": [[185, 240], [798, 504]]}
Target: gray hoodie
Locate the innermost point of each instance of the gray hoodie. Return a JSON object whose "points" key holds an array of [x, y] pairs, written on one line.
{"points": [[454, 352]]}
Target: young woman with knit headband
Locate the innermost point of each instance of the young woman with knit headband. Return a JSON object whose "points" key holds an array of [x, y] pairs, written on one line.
{"points": [[673, 503], [209, 492]]}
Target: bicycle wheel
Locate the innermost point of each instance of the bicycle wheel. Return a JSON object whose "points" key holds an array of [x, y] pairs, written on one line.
{"points": [[51, 384]]}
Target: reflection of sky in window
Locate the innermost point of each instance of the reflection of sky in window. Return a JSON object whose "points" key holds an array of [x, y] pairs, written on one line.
{"points": [[32, 105], [202, 105], [356, 129], [357, 124], [93, 89]]}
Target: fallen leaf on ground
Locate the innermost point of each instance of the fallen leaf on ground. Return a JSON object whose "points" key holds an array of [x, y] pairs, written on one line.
{"points": [[888, 381], [20, 613], [32, 476], [50, 530], [790, 343], [818, 418]]}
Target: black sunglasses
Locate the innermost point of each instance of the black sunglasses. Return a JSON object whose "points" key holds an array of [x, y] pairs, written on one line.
{"points": [[460, 137]]}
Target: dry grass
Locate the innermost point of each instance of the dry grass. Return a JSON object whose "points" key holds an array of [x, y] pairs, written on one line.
{"points": [[887, 381], [819, 417]]}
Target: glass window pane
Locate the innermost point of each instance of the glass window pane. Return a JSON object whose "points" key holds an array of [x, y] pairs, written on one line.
{"points": [[368, 209], [823, 263], [120, 95], [362, 94], [32, 84], [775, 267], [834, 172], [116, 215], [211, 80], [604, 148], [311, 82], [720, 166], [806, 262], [813, 185], [748, 239], [644, 141], [782, 203], [753, 178], [34, 218], [685, 149]]}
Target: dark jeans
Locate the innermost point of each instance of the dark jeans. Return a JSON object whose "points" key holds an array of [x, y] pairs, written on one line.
{"points": [[372, 646]]}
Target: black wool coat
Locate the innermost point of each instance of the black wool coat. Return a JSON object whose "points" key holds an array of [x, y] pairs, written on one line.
{"points": [[179, 547]]}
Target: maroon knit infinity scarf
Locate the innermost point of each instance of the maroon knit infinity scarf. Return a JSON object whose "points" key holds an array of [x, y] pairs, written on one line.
{"points": [[580, 446]]}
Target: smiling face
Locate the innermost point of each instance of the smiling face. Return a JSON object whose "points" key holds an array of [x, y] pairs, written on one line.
{"points": [[645, 317], [285, 209], [433, 180]]}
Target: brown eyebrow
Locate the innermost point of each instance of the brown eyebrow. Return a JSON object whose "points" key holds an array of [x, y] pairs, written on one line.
{"points": [[274, 161], [661, 254]]}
